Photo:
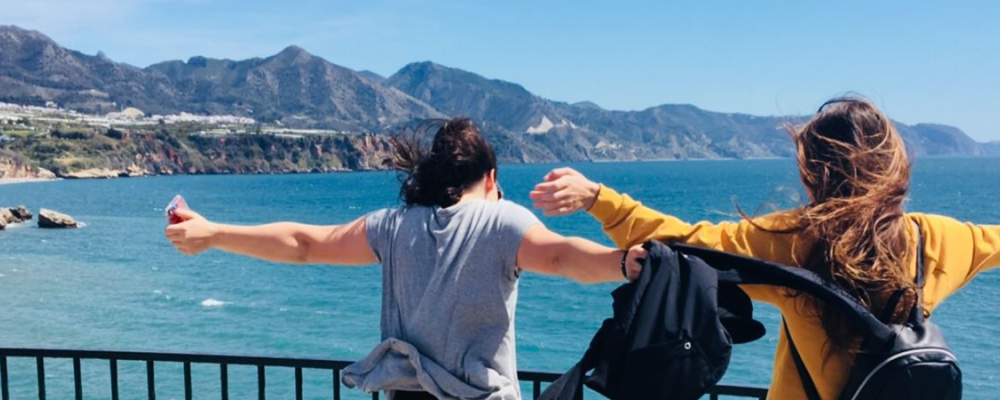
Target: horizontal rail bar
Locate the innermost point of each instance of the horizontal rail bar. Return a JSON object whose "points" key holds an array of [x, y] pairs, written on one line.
{"points": [[742, 391], [194, 358]]}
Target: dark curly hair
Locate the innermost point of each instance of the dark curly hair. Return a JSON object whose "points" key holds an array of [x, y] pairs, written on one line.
{"points": [[459, 157]]}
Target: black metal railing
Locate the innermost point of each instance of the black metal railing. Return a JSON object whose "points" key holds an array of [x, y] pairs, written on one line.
{"points": [[224, 361]]}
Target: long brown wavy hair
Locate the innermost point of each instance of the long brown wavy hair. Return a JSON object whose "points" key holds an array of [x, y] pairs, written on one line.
{"points": [[856, 172]]}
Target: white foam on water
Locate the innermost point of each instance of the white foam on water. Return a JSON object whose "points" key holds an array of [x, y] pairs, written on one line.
{"points": [[157, 291], [212, 303]]}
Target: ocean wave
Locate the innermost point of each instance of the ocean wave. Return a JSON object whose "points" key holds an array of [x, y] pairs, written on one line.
{"points": [[213, 303]]}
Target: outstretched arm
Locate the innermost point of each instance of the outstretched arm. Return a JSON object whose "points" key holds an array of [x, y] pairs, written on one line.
{"points": [[628, 222], [286, 242], [625, 220], [581, 260], [957, 251]]}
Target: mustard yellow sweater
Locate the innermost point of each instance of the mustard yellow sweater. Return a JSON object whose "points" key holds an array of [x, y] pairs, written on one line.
{"points": [[954, 253]]}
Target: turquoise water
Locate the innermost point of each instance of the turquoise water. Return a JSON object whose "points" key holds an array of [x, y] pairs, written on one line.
{"points": [[117, 284]]}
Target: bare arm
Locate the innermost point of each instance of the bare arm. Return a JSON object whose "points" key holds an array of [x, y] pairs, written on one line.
{"points": [[286, 242], [581, 260]]}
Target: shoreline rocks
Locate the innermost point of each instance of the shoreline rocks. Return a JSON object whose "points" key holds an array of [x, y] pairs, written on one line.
{"points": [[13, 215], [95, 173], [22, 213], [53, 219]]}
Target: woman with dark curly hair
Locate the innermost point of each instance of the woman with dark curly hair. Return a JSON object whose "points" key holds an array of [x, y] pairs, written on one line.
{"points": [[451, 257]]}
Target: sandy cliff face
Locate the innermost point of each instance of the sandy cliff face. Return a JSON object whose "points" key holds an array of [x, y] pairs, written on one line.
{"points": [[15, 166]]}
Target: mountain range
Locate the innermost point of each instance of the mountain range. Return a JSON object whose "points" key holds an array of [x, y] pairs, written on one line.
{"points": [[303, 90]]}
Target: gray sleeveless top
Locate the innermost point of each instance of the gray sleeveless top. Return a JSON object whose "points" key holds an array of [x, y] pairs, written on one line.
{"points": [[449, 292]]}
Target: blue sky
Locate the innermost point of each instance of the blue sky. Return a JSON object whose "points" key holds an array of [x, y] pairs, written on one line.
{"points": [[926, 61]]}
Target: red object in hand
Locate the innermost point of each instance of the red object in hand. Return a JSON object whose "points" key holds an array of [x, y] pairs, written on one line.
{"points": [[175, 204]]}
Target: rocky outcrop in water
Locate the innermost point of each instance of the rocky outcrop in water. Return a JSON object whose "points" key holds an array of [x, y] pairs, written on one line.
{"points": [[5, 218], [13, 215], [54, 219], [21, 212]]}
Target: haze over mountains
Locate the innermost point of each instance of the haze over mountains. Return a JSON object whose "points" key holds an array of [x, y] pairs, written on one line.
{"points": [[302, 90]]}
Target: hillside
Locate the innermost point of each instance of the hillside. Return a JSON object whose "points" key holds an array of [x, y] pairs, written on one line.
{"points": [[295, 89]]}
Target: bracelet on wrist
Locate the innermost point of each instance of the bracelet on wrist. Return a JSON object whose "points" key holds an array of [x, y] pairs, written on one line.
{"points": [[624, 260]]}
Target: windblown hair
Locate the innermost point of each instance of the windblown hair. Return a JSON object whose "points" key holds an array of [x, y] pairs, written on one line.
{"points": [[855, 169], [459, 157]]}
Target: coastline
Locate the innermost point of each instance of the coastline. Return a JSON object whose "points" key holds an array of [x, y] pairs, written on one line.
{"points": [[11, 181]]}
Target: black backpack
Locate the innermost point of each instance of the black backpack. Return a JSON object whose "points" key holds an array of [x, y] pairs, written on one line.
{"points": [[670, 337], [896, 361]]}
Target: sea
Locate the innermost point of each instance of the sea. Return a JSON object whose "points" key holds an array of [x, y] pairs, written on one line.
{"points": [[117, 284]]}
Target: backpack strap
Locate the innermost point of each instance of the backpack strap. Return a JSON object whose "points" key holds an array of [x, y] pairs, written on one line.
{"points": [[890, 305], [918, 306], [920, 258], [744, 270], [807, 383]]}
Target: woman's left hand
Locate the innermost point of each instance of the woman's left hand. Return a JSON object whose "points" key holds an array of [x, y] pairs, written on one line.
{"points": [[633, 262]]}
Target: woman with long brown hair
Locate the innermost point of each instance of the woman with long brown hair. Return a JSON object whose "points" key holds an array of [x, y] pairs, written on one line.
{"points": [[853, 232]]}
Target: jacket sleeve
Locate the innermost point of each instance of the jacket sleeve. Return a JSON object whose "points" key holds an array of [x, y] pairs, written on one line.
{"points": [[957, 251], [986, 239], [628, 223]]}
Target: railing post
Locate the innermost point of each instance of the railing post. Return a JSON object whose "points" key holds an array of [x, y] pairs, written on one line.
{"points": [[40, 365], [77, 384], [536, 389], [336, 384], [261, 382], [187, 380], [224, 380], [114, 378], [298, 383], [150, 380], [3, 378]]}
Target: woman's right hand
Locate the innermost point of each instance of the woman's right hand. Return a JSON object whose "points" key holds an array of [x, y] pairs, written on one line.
{"points": [[564, 192]]}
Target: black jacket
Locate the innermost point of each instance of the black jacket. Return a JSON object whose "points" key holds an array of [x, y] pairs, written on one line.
{"points": [[670, 337]]}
